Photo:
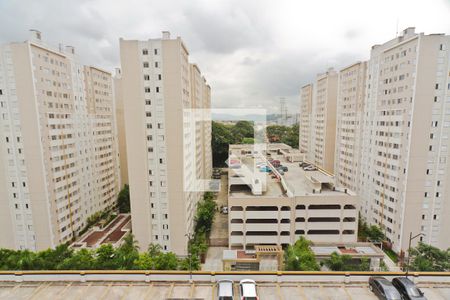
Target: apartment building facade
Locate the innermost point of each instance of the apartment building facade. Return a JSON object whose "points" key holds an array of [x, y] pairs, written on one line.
{"points": [[58, 159], [349, 114], [167, 150], [404, 180], [318, 119], [120, 126], [306, 98]]}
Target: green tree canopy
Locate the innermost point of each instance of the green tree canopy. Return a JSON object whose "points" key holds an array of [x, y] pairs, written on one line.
{"points": [[288, 135], [428, 258], [300, 257], [123, 200]]}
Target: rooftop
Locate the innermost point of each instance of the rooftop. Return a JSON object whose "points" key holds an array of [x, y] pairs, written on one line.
{"points": [[353, 249], [246, 178]]}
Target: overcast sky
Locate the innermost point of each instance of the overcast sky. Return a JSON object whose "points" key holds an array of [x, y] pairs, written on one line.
{"points": [[251, 52]]}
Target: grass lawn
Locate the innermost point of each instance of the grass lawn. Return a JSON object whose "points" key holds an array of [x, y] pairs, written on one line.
{"points": [[392, 255]]}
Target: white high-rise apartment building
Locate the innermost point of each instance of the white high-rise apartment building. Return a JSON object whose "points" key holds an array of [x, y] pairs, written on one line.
{"points": [[405, 164], [349, 114], [58, 159], [166, 151], [318, 120], [306, 97]]}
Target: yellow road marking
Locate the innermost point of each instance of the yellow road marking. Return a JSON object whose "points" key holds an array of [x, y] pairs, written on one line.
{"points": [[170, 291], [84, 290], [40, 288], [213, 294], [149, 289], [64, 290], [323, 292], [125, 293], [105, 292], [302, 292], [279, 292], [191, 292], [346, 291]]}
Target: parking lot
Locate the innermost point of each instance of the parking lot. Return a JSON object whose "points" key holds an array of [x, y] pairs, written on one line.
{"points": [[198, 290]]}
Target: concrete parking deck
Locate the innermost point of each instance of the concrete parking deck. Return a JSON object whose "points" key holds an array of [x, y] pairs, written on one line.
{"points": [[154, 285], [112, 290]]}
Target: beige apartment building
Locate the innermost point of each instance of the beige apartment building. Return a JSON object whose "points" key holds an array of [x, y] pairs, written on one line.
{"points": [[120, 127], [318, 119], [168, 151], [280, 207], [349, 114], [405, 167], [58, 159], [306, 98]]}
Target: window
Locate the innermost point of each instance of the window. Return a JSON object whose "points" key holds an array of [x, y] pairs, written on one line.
{"points": [[156, 64], [150, 149], [148, 102], [436, 86], [144, 51], [147, 90], [148, 114], [160, 160], [159, 76], [1, 92], [157, 89], [166, 216], [145, 64], [146, 77], [155, 51]]}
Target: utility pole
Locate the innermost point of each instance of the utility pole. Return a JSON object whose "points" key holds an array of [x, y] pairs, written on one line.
{"points": [[189, 236], [409, 250]]}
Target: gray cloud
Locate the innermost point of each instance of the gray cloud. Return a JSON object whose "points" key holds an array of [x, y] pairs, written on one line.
{"points": [[251, 52]]}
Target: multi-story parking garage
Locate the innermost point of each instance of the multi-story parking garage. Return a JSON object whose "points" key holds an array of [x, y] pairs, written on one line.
{"points": [[269, 206]]}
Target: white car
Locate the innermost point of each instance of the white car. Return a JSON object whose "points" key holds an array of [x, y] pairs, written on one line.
{"points": [[247, 290], [225, 289]]}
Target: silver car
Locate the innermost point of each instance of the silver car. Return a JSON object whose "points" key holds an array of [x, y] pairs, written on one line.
{"points": [[225, 290]]}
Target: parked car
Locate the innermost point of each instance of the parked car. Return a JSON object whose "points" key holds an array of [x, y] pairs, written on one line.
{"points": [[264, 169], [275, 163], [247, 290], [225, 290], [309, 168], [407, 289], [225, 210], [383, 288], [283, 168]]}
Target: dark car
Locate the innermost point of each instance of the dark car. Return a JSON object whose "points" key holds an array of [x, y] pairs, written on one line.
{"points": [[407, 289], [383, 288]]}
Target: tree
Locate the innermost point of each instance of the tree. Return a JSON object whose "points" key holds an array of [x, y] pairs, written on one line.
{"points": [[338, 262], [372, 232], [300, 257], [242, 129], [82, 259], [127, 253], [288, 135], [123, 200], [105, 257], [428, 258]]}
